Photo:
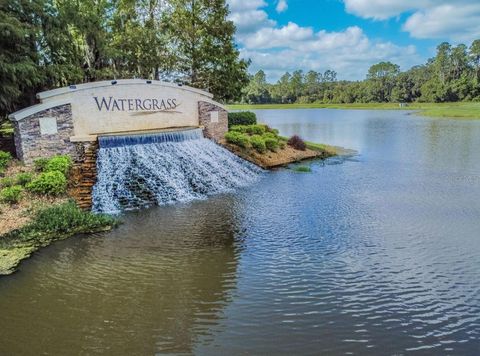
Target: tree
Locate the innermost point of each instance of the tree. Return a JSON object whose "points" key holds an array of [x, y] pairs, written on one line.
{"points": [[382, 78], [203, 47], [257, 91]]}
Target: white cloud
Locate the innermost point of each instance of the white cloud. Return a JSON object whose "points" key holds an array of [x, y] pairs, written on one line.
{"points": [[457, 20], [277, 49], [281, 6]]}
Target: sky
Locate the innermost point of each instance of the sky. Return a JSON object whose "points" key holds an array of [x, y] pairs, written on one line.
{"points": [[348, 36]]}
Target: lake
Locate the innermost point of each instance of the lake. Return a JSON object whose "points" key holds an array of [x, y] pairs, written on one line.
{"points": [[375, 254]]}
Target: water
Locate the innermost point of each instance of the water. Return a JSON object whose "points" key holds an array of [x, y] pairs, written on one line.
{"points": [[378, 254], [136, 171]]}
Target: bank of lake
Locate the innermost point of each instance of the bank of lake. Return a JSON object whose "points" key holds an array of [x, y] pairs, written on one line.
{"points": [[458, 110]]}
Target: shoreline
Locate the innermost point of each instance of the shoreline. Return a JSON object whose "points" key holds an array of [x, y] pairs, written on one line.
{"points": [[457, 110]]}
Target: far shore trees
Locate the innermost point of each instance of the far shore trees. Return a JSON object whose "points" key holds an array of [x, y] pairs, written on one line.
{"points": [[452, 75]]}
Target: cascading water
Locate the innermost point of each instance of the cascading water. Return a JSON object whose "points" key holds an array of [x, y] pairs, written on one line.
{"points": [[140, 170]]}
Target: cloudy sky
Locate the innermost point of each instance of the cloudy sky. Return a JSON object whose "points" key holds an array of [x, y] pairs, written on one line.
{"points": [[348, 35]]}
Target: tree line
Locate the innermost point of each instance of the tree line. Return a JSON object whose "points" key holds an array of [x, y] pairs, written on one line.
{"points": [[53, 43], [452, 75]]}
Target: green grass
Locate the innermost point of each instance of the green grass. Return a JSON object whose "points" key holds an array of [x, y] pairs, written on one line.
{"points": [[462, 110], [302, 169], [6, 128]]}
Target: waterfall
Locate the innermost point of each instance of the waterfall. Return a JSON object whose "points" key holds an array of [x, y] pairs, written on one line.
{"points": [[135, 171]]}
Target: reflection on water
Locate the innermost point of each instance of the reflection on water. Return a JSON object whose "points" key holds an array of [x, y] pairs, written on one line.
{"points": [[376, 255]]}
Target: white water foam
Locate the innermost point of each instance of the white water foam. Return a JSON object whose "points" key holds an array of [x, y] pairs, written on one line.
{"points": [[156, 169]]}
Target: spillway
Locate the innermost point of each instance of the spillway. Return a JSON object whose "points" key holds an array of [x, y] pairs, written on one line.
{"points": [[141, 170]]}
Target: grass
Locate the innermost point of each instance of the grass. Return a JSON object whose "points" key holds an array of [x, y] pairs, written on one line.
{"points": [[6, 128], [50, 224], [302, 169], [460, 110]]}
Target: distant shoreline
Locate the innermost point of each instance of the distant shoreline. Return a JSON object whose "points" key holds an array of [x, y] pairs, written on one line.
{"points": [[458, 110]]}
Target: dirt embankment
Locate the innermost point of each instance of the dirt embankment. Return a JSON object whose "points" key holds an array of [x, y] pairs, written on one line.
{"points": [[270, 159]]}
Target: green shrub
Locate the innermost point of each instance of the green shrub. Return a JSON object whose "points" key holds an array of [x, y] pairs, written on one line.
{"points": [[5, 158], [66, 219], [239, 128], [7, 182], [241, 118], [23, 178], [302, 169], [49, 183], [258, 143], [11, 195], [40, 164], [271, 143], [237, 138], [59, 163], [256, 129]]}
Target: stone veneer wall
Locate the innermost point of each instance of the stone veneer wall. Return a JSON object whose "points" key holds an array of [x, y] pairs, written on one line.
{"points": [[84, 173], [212, 130], [30, 144]]}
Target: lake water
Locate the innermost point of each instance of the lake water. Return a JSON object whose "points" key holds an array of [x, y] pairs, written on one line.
{"points": [[377, 254]]}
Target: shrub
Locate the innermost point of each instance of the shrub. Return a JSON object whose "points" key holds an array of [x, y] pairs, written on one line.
{"points": [[23, 178], [272, 131], [237, 138], [239, 128], [297, 143], [241, 118], [7, 182], [59, 163], [256, 129], [11, 195], [271, 143], [5, 158], [49, 183], [258, 143], [40, 164], [66, 219], [302, 169]]}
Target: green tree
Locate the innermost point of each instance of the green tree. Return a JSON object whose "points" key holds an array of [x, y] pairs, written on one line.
{"points": [[381, 77], [257, 91], [203, 47]]}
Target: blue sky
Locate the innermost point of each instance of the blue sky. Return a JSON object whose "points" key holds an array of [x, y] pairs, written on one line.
{"points": [[348, 36]]}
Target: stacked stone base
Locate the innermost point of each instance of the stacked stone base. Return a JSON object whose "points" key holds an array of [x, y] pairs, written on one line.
{"points": [[84, 174]]}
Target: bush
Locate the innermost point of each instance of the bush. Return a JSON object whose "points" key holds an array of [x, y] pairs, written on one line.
{"points": [[237, 138], [241, 118], [7, 182], [297, 143], [59, 163], [40, 164], [67, 218], [5, 158], [256, 129], [49, 183], [239, 128], [271, 143], [11, 195], [23, 178], [302, 169], [258, 143]]}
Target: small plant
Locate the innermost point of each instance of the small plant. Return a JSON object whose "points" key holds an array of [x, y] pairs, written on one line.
{"points": [[302, 169], [258, 143], [271, 143], [40, 164], [23, 178], [7, 182], [59, 163], [297, 143], [237, 138], [256, 129], [49, 183], [65, 219], [5, 158], [11, 195], [239, 128], [241, 118]]}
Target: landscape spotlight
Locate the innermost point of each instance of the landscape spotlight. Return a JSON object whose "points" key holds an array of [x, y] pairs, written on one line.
{"points": [[149, 82], [73, 87], [114, 82]]}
